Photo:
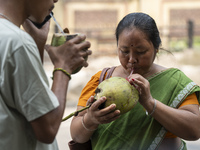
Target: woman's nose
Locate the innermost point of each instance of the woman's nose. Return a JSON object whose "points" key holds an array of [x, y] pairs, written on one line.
{"points": [[132, 59]]}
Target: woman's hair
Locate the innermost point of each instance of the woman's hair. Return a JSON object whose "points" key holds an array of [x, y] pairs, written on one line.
{"points": [[144, 23]]}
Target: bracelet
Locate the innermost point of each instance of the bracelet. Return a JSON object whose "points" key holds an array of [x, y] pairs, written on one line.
{"points": [[64, 71], [85, 126], [154, 108]]}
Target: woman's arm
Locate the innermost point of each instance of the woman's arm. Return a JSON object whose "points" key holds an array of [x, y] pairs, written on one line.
{"points": [[83, 126], [183, 122]]}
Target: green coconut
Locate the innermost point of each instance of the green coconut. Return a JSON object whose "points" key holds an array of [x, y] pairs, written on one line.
{"points": [[60, 38], [119, 91]]}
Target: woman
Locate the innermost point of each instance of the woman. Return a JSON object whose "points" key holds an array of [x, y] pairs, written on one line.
{"points": [[171, 99]]}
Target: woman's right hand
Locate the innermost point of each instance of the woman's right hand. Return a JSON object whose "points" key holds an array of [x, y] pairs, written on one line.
{"points": [[83, 125], [69, 56], [96, 116]]}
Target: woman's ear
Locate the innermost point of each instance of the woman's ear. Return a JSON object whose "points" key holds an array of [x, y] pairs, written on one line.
{"points": [[157, 50]]}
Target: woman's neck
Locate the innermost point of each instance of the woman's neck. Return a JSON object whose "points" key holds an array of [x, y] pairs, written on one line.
{"points": [[154, 69]]}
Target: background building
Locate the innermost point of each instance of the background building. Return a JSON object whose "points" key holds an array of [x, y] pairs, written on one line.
{"points": [[178, 21]]}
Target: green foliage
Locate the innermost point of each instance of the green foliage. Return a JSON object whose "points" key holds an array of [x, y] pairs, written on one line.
{"points": [[196, 43], [182, 44], [178, 45]]}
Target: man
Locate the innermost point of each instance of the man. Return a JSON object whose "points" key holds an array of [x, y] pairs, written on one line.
{"points": [[31, 113]]}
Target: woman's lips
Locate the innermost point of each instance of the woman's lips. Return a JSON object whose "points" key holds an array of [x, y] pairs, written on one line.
{"points": [[134, 70]]}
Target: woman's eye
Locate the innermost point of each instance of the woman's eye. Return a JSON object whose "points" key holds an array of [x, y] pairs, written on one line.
{"points": [[141, 52], [124, 51]]}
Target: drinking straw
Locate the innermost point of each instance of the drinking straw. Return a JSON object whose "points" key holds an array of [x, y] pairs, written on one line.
{"points": [[59, 27]]}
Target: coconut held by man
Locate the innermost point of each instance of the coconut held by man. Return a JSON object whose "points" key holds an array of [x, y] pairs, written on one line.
{"points": [[60, 38]]}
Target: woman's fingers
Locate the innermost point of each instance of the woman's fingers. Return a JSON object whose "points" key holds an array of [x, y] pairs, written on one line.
{"points": [[139, 82], [90, 100], [104, 115], [109, 117], [97, 103]]}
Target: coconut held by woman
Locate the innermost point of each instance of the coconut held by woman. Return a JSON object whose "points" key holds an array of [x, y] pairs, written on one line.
{"points": [[117, 91]]}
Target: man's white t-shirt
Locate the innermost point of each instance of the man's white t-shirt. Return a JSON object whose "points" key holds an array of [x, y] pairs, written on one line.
{"points": [[24, 90]]}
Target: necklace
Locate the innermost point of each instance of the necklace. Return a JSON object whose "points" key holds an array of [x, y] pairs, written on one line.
{"points": [[5, 16]]}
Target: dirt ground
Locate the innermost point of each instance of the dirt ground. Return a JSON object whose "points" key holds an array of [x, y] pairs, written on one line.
{"points": [[188, 61]]}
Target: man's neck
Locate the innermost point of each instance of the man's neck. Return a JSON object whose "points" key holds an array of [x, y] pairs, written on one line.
{"points": [[14, 10]]}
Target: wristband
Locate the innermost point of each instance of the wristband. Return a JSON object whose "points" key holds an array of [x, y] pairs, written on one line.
{"points": [[64, 71]]}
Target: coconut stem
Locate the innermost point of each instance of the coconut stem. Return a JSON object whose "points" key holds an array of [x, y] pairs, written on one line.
{"points": [[76, 112]]}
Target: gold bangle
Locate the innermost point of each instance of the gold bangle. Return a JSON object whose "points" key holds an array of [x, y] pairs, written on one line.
{"points": [[64, 71], [82, 121], [154, 108]]}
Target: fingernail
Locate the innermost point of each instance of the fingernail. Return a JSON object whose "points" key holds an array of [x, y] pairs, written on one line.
{"points": [[113, 105], [104, 98], [133, 80]]}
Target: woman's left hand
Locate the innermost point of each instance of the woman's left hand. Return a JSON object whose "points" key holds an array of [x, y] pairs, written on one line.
{"points": [[143, 87]]}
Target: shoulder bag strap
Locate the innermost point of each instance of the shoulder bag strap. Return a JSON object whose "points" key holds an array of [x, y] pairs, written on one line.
{"points": [[109, 73], [103, 74]]}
